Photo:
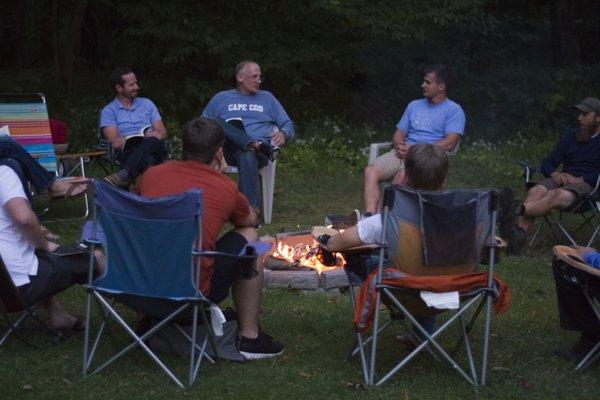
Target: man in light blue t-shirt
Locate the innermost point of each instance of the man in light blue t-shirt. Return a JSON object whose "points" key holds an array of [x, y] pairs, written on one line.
{"points": [[255, 125], [125, 117], [434, 119]]}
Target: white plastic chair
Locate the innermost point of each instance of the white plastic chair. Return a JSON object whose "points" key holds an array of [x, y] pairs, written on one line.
{"points": [[267, 174], [375, 150]]}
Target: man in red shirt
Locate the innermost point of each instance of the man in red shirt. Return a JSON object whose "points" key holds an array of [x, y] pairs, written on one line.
{"points": [[203, 140]]}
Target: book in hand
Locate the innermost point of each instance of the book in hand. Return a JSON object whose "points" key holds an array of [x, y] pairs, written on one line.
{"points": [[134, 140], [71, 249]]}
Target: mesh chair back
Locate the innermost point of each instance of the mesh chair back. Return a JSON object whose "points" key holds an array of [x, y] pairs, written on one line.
{"points": [[149, 242], [9, 295], [437, 233], [27, 118]]}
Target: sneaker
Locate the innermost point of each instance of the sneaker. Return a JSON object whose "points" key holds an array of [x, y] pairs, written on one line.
{"points": [[517, 238], [409, 339], [116, 181], [270, 152], [263, 346], [578, 351]]}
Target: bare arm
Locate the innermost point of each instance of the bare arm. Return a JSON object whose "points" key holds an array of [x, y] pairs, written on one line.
{"points": [[249, 222], [158, 130], [399, 143], [110, 133], [348, 238], [20, 212], [448, 143]]}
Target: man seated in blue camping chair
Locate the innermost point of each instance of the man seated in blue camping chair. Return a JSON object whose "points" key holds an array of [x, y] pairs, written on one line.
{"points": [[203, 140], [579, 153]]}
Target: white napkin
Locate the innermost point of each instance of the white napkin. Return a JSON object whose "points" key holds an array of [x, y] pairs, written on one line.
{"points": [[217, 319], [440, 301]]}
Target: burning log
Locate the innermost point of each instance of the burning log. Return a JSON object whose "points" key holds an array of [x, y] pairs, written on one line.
{"points": [[298, 251]]}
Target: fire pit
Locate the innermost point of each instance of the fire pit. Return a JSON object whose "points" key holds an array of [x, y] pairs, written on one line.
{"points": [[293, 263]]}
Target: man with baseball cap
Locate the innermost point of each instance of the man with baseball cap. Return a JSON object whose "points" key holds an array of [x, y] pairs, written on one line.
{"points": [[579, 153]]}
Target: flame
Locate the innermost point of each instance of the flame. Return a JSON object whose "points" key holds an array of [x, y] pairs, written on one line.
{"points": [[305, 255]]}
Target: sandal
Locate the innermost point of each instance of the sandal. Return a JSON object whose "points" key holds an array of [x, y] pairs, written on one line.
{"points": [[77, 187]]}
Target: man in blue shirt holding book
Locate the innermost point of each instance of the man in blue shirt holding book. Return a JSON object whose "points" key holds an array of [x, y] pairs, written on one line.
{"points": [[125, 117], [255, 125]]}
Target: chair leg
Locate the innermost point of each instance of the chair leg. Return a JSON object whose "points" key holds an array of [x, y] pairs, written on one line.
{"points": [[139, 341], [14, 327], [589, 358], [268, 188], [465, 334], [430, 339]]}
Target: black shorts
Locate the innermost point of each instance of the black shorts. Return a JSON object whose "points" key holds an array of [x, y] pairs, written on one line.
{"points": [[226, 270], [54, 274]]}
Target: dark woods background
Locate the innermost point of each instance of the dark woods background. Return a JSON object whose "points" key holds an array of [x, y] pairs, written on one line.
{"points": [[518, 65]]}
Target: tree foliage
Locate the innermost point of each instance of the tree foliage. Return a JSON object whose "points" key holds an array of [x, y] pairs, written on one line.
{"points": [[512, 60]]}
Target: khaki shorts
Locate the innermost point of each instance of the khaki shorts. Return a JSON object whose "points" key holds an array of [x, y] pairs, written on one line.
{"points": [[579, 189], [389, 164]]}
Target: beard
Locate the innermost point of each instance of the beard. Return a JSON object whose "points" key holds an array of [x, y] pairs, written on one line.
{"points": [[587, 131]]}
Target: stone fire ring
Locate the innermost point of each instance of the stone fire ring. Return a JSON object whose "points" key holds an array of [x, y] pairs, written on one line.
{"points": [[306, 279]]}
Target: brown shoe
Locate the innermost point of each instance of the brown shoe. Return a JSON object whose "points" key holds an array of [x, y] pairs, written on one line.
{"points": [[114, 180], [408, 339]]}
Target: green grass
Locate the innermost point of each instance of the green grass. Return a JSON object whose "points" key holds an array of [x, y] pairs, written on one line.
{"points": [[316, 329]]}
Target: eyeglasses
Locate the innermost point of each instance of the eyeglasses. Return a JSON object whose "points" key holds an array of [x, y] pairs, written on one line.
{"points": [[255, 77]]}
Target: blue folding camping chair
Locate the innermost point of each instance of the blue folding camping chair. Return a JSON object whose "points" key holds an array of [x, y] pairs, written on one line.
{"points": [[152, 266]]}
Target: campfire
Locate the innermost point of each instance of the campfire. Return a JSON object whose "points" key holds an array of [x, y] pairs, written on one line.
{"points": [[300, 250]]}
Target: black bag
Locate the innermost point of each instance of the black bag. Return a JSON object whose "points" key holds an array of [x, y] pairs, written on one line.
{"points": [[171, 341]]}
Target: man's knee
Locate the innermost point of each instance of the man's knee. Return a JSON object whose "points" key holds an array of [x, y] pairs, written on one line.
{"points": [[559, 198], [536, 192], [250, 234], [372, 174], [563, 198]]}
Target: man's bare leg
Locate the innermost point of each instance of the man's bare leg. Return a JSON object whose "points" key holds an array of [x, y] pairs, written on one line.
{"points": [[59, 317], [371, 193], [542, 203], [533, 194], [247, 293]]}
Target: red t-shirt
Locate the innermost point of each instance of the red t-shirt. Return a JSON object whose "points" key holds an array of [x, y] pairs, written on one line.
{"points": [[221, 200]]}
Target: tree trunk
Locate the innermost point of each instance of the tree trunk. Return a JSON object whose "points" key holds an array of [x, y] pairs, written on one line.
{"points": [[74, 43], [565, 45]]}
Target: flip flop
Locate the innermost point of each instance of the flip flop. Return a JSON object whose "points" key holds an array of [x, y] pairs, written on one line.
{"points": [[77, 187]]}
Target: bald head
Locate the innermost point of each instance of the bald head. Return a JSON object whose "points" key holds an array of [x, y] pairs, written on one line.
{"points": [[248, 77]]}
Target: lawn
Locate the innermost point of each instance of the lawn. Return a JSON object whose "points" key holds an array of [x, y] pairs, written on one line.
{"points": [[313, 180]]}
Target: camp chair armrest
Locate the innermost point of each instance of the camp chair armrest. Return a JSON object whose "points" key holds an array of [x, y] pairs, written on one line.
{"points": [[594, 192], [94, 242], [227, 255], [527, 171], [363, 249]]}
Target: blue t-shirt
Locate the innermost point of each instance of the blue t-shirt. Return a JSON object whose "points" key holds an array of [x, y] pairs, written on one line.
{"points": [[261, 113], [593, 259], [129, 121], [424, 122]]}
